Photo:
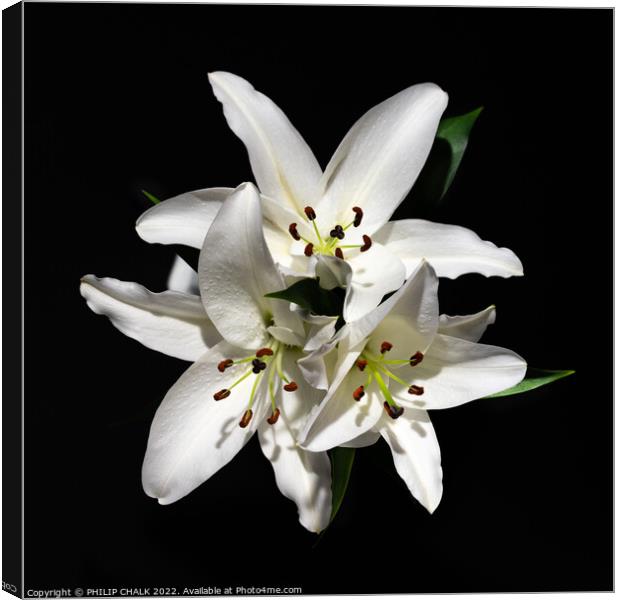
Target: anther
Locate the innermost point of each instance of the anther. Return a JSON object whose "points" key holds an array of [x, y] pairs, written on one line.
{"points": [[221, 394], [416, 359], [385, 347], [290, 387], [358, 394], [310, 213], [292, 229], [367, 243], [246, 418], [308, 249], [393, 411], [223, 365], [258, 366], [264, 352], [272, 420], [361, 363], [338, 253], [359, 213], [416, 390], [337, 232]]}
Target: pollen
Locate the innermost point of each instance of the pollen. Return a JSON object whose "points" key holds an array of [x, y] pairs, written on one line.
{"points": [[264, 352], [292, 229], [246, 418], [416, 390], [224, 364], [258, 366], [221, 394], [393, 411], [309, 249], [359, 214], [367, 243], [272, 420], [310, 213], [416, 359], [339, 254], [385, 347], [361, 363], [358, 394], [290, 387]]}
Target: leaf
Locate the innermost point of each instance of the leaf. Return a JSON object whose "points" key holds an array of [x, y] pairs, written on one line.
{"points": [[534, 378], [444, 159], [311, 296], [342, 463], [151, 197]]}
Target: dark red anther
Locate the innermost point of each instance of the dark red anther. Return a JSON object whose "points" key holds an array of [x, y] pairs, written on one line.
{"points": [[385, 347], [221, 394], [358, 394], [258, 366], [224, 364], [290, 387], [339, 254], [246, 418], [310, 213], [367, 243], [416, 390], [292, 229], [264, 352], [361, 363], [308, 249], [416, 359], [393, 411], [359, 214], [272, 420]]}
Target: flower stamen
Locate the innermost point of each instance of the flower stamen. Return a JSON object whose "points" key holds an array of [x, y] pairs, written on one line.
{"points": [[292, 229], [221, 394], [272, 420], [359, 214], [264, 352], [309, 249], [358, 393], [290, 387], [338, 253], [246, 418], [416, 359], [224, 364], [416, 390], [386, 347], [367, 243]]}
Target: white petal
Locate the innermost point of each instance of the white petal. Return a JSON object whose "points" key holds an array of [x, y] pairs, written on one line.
{"points": [[410, 315], [467, 327], [416, 454], [366, 439], [286, 336], [302, 476], [235, 272], [452, 250], [283, 165], [333, 272], [193, 435], [321, 329], [340, 419], [184, 219], [380, 158], [169, 322], [183, 278], [375, 273], [456, 371]]}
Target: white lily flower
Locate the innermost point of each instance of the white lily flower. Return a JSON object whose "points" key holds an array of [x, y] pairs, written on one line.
{"points": [[247, 383], [308, 212], [396, 363]]}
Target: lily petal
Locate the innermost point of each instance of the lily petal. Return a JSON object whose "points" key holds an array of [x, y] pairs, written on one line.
{"points": [[416, 454], [380, 158], [362, 441], [193, 435], [456, 371], [182, 278], [452, 250], [184, 219], [375, 274], [282, 162], [467, 327], [170, 322], [303, 477], [236, 270]]}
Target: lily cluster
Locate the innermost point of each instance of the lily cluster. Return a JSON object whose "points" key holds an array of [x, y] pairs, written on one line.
{"points": [[307, 382]]}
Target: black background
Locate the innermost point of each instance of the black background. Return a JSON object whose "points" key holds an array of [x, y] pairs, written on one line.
{"points": [[117, 99]]}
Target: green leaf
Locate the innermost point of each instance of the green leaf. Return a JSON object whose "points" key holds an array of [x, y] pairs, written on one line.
{"points": [[342, 463], [444, 159], [534, 378], [150, 196], [311, 296]]}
